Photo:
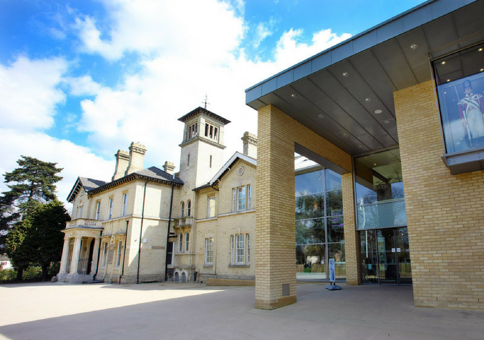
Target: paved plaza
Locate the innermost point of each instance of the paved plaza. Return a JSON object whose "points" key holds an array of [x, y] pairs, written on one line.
{"points": [[191, 311]]}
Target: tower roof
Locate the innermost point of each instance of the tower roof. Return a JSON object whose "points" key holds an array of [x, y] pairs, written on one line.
{"points": [[201, 110]]}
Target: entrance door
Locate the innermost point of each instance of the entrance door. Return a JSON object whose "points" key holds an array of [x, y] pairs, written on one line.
{"points": [[386, 256]]}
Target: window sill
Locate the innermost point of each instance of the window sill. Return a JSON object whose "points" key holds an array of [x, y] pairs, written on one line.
{"points": [[239, 265], [208, 266], [463, 162]]}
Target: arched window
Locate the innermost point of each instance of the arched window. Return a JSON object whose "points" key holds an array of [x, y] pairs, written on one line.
{"points": [[189, 208], [182, 209]]}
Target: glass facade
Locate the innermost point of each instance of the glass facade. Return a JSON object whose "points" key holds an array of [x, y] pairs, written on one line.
{"points": [[460, 87], [319, 224], [380, 198]]}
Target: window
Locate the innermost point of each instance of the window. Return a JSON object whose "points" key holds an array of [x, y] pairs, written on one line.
{"points": [[188, 161], [125, 204], [211, 206], [118, 253], [79, 210], [241, 198], [231, 249], [191, 131], [182, 209], [105, 254], [459, 79], [187, 237], [189, 208], [249, 194], [248, 248], [169, 258], [180, 243], [210, 161], [110, 211], [234, 198], [240, 249], [211, 131], [209, 251], [98, 209]]}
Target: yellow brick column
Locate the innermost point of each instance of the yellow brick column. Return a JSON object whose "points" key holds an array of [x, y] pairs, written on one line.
{"points": [[275, 227], [351, 235]]}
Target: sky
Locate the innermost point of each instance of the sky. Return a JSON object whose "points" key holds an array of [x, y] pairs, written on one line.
{"points": [[81, 79]]}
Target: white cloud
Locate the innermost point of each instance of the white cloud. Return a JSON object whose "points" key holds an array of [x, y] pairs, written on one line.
{"points": [[83, 86], [29, 93], [76, 160], [262, 32]]}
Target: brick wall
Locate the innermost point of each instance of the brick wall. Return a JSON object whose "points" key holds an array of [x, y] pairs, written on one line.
{"points": [[445, 213], [275, 227]]}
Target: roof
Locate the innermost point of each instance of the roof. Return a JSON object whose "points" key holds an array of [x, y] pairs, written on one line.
{"points": [[87, 184], [345, 93], [201, 110], [227, 166], [152, 174]]}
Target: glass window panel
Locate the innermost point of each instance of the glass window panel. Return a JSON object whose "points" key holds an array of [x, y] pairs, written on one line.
{"points": [[309, 183], [310, 206], [333, 180], [310, 231], [334, 203], [336, 231], [310, 261]]}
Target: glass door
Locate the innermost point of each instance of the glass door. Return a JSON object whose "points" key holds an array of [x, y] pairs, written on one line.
{"points": [[385, 256]]}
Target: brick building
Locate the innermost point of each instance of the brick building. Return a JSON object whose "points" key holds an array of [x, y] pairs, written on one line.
{"points": [[397, 111]]}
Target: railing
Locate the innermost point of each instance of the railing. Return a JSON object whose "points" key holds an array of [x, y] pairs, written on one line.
{"points": [[82, 266], [183, 222], [391, 213], [84, 222]]}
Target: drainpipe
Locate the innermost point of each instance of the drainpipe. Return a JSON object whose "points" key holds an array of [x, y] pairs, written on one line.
{"points": [[124, 256], [168, 233], [141, 232]]}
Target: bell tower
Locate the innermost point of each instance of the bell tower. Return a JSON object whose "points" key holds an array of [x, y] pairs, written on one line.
{"points": [[202, 148]]}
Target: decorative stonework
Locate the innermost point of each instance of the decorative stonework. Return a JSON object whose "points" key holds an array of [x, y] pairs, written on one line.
{"points": [[241, 171], [186, 187]]}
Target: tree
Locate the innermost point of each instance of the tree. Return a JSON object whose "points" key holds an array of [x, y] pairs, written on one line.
{"points": [[45, 236], [31, 185]]}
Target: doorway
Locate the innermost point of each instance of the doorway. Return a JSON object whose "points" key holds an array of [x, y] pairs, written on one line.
{"points": [[385, 256]]}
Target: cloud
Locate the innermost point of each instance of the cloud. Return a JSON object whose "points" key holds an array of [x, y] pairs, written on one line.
{"points": [[262, 32], [82, 86], [29, 93], [76, 160]]}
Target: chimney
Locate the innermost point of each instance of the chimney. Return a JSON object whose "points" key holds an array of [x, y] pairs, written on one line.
{"points": [[250, 144], [169, 167], [122, 161], [136, 158]]}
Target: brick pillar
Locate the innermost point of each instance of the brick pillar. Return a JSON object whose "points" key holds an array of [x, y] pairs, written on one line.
{"points": [[351, 235], [275, 227]]}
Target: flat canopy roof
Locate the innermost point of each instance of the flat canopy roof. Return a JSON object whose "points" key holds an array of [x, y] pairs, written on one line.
{"points": [[345, 93]]}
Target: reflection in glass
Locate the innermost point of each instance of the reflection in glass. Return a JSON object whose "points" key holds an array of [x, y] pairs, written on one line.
{"points": [[460, 84], [380, 196], [318, 223]]}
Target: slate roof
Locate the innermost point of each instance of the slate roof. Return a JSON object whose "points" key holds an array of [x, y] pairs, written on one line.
{"points": [[198, 110]]}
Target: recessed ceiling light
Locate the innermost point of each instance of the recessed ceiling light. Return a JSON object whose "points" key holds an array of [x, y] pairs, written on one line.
{"points": [[443, 63], [479, 50], [345, 74], [378, 111], [374, 163], [482, 69], [368, 99], [360, 146], [414, 46], [321, 116], [386, 121], [294, 95], [345, 134], [448, 80]]}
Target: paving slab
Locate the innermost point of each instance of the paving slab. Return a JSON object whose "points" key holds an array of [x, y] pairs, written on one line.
{"points": [[191, 311]]}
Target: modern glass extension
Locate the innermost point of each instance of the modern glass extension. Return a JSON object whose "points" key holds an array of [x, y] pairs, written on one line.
{"points": [[319, 224], [382, 219]]}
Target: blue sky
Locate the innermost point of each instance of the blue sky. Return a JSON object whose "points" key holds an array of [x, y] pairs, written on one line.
{"points": [[81, 79]]}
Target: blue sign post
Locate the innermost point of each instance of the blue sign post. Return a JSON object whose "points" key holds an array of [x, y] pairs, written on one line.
{"points": [[332, 276]]}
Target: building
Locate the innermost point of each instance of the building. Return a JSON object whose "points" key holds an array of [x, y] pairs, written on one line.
{"points": [[397, 111], [148, 224]]}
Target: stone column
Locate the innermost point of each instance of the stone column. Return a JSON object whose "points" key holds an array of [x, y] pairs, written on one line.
{"points": [[351, 235], [95, 256], [275, 275], [65, 256], [75, 255]]}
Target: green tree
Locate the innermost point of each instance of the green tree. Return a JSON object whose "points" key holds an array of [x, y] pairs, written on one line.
{"points": [[45, 237], [17, 246]]}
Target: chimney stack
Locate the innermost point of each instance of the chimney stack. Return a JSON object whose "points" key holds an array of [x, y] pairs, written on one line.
{"points": [[122, 161], [169, 167], [136, 158], [250, 144]]}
